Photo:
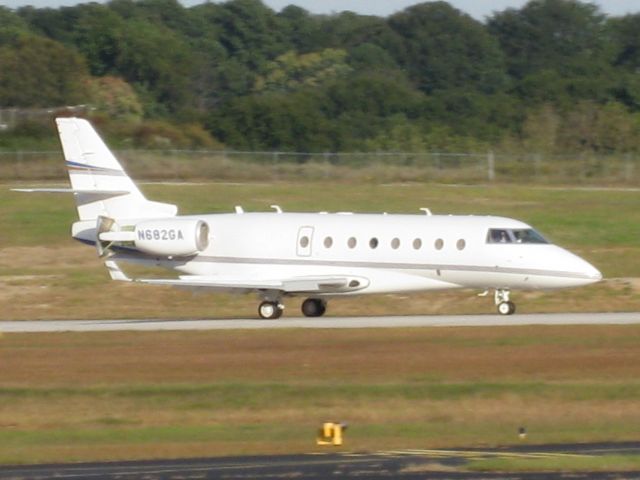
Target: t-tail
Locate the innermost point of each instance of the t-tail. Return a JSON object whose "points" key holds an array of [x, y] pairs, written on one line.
{"points": [[105, 196], [100, 185]]}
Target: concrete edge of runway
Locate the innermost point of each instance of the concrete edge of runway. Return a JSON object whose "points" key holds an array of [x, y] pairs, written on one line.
{"points": [[417, 321]]}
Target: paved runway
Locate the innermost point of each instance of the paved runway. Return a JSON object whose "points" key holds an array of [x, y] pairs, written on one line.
{"points": [[44, 326], [400, 464]]}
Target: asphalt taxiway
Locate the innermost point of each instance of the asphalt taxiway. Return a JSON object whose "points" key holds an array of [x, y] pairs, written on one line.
{"points": [[48, 326], [401, 464]]}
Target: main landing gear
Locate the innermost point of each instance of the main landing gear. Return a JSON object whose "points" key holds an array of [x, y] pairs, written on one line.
{"points": [[314, 307], [270, 310], [311, 307], [504, 305]]}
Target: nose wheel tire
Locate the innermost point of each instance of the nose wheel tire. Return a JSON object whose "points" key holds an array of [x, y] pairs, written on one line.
{"points": [[506, 308], [314, 307], [270, 310]]}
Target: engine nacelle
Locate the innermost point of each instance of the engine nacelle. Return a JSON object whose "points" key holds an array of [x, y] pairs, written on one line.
{"points": [[172, 237]]}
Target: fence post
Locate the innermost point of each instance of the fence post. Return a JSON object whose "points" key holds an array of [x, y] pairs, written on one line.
{"points": [[491, 166]]}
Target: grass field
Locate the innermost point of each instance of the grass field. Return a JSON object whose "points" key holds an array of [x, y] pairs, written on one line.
{"points": [[45, 274], [604, 463], [71, 397]]}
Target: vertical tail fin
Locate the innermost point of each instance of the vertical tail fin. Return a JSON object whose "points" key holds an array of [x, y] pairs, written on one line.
{"points": [[101, 186]]}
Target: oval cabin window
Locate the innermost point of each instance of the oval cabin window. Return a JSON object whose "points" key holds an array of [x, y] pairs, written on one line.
{"points": [[304, 241], [328, 242], [395, 243], [461, 244], [352, 242], [417, 244]]}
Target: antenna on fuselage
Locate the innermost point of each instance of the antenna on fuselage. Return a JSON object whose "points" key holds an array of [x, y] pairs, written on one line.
{"points": [[426, 211]]}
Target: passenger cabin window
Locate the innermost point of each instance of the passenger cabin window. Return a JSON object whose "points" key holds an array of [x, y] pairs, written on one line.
{"points": [[352, 242], [373, 243], [515, 235], [328, 242], [304, 241], [417, 244], [395, 243]]}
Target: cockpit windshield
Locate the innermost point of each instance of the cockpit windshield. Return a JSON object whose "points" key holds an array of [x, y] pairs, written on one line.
{"points": [[514, 235]]}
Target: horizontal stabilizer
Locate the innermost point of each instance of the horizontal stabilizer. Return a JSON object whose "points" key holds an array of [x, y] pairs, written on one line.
{"points": [[100, 193]]}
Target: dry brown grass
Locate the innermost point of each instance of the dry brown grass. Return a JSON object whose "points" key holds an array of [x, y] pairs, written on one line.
{"points": [[69, 282], [536, 353], [170, 394]]}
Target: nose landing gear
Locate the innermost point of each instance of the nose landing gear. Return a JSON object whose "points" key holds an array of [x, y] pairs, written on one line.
{"points": [[504, 305]]}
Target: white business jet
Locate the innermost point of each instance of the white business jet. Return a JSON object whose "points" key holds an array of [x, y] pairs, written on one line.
{"points": [[315, 255]]}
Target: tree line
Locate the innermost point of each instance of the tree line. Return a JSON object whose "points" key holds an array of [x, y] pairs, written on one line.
{"points": [[552, 77]]}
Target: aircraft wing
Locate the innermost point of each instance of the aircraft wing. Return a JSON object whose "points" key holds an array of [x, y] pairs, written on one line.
{"points": [[304, 284], [319, 284]]}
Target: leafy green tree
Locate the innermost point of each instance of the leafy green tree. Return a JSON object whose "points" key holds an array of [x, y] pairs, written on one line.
{"points": [[626, 59], [274, 121], [369, 56], [156, 60], [291, 71], [624, 31], [551, 76], [472, 114], [302, 29], [443, 48], [401, 135], [115, 98], [616, 129], [250, 32], [55, 24], [541, 129], [376, 95], [11, 25], [348, 30], [566, 36], [98, 33], [168, 13], [591, 127], [38, 72]]}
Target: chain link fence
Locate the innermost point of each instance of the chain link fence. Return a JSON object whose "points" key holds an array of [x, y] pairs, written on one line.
{"points": [[176, 165]]}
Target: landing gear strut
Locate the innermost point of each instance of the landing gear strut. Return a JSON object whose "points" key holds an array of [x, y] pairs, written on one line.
{"points": [[270, 310], [314, 307], [505, 307]]}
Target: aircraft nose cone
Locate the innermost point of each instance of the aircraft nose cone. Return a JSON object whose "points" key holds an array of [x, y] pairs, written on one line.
{"points": [[593, 273], [577, 271], [588, 272]]}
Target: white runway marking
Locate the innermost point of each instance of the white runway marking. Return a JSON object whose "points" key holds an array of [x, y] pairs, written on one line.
{"points": [[44, 326]]}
